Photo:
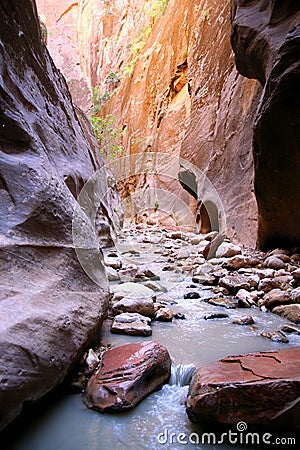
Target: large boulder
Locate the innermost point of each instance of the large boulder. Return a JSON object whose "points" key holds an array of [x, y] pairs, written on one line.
{"points": [[50, 310], [289, 312], [126, 375], [256, 388], [265, 39]]}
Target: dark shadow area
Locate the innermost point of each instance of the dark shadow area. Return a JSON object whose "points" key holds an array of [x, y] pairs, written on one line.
{"points": [[207, 217], [188, 181]]}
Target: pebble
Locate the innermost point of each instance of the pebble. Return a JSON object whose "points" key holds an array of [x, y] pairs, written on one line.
{"points": [[254, 278], [132, 324], [91, 362], [276, 336], [245, 298], [144, 306], [156, 287], [227, 250], [244, 320], [234, 282], [238, 262], [226, 302], [273, 262], [273, 298], [215, 316], [179, 315], [164, 314], [296, 274], [131, 289], [287, 328], [191, 295], [289, 312]]}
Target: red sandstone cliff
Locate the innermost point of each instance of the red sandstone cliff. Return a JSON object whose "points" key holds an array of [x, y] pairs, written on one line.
{"points": [[166, 70]]}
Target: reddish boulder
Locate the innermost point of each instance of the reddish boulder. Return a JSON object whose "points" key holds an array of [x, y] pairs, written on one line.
{"points": [[126, 375], [289, 312], [257, 388]]}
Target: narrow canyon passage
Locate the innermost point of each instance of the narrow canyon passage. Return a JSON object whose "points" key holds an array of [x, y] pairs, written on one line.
{"points": [[149, 183], [168, 268]]}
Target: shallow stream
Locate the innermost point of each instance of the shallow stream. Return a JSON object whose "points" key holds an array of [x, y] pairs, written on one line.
{"points": [[68, 425]]}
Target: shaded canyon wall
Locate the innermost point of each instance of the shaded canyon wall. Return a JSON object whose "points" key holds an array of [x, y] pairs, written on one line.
{"points": [[50, 310], [266, 42]]}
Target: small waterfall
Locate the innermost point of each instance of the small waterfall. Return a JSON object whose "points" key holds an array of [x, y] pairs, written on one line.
{"points": [[181, 374]]}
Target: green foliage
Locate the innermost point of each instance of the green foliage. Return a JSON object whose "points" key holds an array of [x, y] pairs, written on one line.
{"points": [[205, 14], [155, 10], [108, 136], [128, 71], [158, 8], [156, 205], [99, 98], [107, 7], [112, 78], [135, 47], [138, 43]]}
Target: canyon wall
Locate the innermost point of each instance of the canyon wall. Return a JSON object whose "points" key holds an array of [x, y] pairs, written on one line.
{"points": [[266, 42], [219, 136], [167, 72], [59, 21], [173, 87], [50, 310]]}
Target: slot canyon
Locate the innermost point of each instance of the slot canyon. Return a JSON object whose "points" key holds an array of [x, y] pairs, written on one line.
{"points": [[149, 232]]}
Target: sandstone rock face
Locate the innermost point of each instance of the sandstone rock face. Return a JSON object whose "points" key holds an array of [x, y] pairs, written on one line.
{"points": [[174, 88], [49, 310], [258, 388], [167, 73], [265, 39], [60, 17], [219, 135], [126, 375]]}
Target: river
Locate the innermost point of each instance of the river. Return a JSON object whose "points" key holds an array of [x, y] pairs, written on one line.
{"points": [[156, 423]]}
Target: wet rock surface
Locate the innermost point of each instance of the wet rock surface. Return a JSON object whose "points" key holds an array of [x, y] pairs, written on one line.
{"points": [[134, 324], [142, 306], [290, 312], [241, 281], [244, 320], [258, 388], [231, 283], [164, 314], [126, 375]]}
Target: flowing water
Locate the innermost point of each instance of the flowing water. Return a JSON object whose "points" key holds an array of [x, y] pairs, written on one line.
{"points": [[156, 423]]}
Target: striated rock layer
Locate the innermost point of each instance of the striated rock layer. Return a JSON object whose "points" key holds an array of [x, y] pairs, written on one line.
{"points": [[49, 309], [60, 20], [256, 388], [166, 70], [126, 375], [219, 136], [266, 40]]}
